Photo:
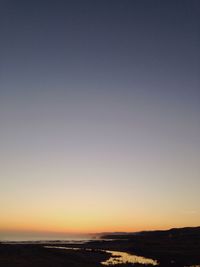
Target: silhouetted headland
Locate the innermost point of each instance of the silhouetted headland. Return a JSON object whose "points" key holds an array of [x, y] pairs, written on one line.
{"points": [[174, 247]]}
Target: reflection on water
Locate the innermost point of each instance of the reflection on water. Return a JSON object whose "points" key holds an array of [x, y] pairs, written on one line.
{"points": [[69, 248], [117, 257], [123, 257], [61, 247]]}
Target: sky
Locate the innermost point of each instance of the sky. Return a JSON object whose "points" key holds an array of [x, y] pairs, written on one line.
{"points": [[99, 115]]}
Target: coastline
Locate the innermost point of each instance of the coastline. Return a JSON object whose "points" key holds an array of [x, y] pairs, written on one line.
{"points": [[178, 247]]}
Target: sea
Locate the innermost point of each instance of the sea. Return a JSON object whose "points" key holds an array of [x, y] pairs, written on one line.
{"points": [[45, 237]]}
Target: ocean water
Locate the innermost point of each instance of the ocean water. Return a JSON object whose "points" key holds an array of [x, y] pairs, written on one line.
{"points": [[42, 237]]}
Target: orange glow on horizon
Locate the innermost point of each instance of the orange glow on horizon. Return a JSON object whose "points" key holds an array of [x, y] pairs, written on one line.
{"points": [[83, 229]]}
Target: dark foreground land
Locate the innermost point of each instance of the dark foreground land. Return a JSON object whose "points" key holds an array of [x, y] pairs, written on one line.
{"points": [[29, 255], [175, 247]]}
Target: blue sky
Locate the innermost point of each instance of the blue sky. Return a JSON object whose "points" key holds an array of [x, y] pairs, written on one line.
{"points": [[99, 115]]}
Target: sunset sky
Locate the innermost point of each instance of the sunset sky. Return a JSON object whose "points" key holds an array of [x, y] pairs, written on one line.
{"points": [[99, 115]]}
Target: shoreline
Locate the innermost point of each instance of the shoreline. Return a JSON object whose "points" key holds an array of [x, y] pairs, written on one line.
{"points": [[175, 247]]}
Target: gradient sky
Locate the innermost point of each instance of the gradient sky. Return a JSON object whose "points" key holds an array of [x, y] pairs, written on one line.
{"points": [[99, 115]]}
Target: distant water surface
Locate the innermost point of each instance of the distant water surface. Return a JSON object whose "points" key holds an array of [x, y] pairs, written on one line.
{"points": [[13, 237]]}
